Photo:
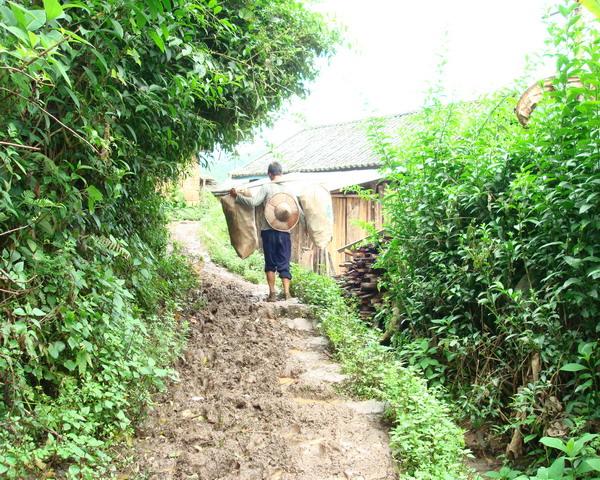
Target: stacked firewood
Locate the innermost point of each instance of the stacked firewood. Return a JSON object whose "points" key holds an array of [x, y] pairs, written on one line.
{"points": [[360, 279]]}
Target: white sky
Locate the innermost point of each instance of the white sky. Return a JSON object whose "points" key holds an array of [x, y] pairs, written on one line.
{"points": [[394, 52]]}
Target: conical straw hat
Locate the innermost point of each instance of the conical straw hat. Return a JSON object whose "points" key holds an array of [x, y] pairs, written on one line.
{"points": [[282, 212]]}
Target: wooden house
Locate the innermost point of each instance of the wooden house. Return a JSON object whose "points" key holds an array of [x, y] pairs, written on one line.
{"points": [[337, 156]]}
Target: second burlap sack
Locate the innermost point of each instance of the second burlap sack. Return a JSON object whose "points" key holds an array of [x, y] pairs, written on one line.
{"points": [[241, 225], [316, 204]]}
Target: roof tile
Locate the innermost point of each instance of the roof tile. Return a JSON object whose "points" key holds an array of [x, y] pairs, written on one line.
{"points": [[343, 146]]}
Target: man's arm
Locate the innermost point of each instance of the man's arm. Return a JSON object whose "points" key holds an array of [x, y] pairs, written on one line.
{"points": [[254, 200]]}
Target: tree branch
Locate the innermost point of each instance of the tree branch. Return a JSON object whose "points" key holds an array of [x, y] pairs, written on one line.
{"points": [[18, 145], [12, 92]]}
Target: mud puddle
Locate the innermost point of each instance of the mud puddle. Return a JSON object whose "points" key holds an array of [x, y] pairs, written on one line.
{"points": [[256, 396]]}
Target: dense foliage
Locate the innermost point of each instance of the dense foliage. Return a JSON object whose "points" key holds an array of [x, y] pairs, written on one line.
{"points": [[101, 103], [424, 440], [492, 271]]}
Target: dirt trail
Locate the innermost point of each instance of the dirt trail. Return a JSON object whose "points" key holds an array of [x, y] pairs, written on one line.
{"points": [[256, 397]]}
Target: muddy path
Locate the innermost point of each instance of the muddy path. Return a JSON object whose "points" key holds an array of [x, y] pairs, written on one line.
{"points": [[256, 397]]}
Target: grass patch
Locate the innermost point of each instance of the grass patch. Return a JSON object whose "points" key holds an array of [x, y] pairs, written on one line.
{"points": [[424, 440]]}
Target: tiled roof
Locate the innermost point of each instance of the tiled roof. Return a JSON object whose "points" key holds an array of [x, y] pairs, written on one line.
{"points": [[343, 146], [295, 181]]}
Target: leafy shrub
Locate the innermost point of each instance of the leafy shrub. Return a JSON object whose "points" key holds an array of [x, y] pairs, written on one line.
{"points": [[491, 269], [88, 376], [578, 460]]}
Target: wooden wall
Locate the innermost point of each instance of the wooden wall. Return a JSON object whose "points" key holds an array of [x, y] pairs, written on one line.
{"points": [[347, 211]]}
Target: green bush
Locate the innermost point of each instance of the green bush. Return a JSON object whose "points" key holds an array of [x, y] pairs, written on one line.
{"points": [[424, 439], [492, 269], [90, 375]]}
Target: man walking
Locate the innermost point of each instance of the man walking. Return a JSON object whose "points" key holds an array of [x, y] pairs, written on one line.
{"points": [[281, 214]]}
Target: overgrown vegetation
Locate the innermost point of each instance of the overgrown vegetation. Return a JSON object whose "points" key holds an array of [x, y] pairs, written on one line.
{"points": [[102, 103], [424, 439], [492, 269]]}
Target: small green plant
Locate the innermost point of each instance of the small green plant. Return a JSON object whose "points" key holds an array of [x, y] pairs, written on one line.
{"points": [[585, 381], [578, 460]]}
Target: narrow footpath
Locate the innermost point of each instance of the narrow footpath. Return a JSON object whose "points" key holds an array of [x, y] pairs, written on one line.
{"points": [[256, 399]]}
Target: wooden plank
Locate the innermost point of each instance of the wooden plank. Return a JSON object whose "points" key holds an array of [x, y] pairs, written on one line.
{"points": [[378, 215], [355, 210], [339, 231], [348, 247]]}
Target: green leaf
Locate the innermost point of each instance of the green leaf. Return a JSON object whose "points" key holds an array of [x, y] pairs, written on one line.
{"points": [[32, 245], [584, 208], [82, 361], [592, 5], [557, 469], [572, 261], [19, 13], [33, 39], [94, 195], [572, 281], [76, 5], [586, 349], [18, 32], [246, 14], [584, 386], [593, 463], [573, 367], [493, 474], [35, 19], [556, 443], [53, 9], [70, 365], [60, 69], [118, 29], [55, 348], [594, 273], [155, 36]]}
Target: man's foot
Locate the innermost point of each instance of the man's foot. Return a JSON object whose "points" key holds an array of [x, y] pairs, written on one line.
{"points": [[288, 296], [272, 297]]}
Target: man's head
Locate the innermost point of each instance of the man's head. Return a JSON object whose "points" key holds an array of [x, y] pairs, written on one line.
{"points": [[274, 170]]}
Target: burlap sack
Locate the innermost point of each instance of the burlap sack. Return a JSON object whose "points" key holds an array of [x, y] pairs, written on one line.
{"points": [[241, 225], [315, 201]]}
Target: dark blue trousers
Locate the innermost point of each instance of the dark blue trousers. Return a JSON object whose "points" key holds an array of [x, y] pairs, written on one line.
{"points": [[277, 247]]}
